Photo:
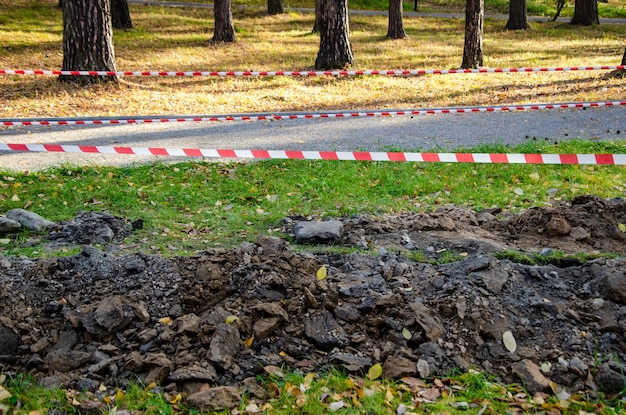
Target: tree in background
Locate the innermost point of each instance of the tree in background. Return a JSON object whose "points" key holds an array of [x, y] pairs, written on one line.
{"points": [[624, 58], [585, 12], [335, 50], [120, 15], [275, 7], [87, 39], [518, 15], [316, 25], [396, 27], [473, 47], [224, 28]]}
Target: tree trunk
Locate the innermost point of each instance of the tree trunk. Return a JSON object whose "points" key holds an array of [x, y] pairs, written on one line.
{"points": [[473, 47], [224, 28], [87, 39], [518, 16], [624, 58], [396, 27], [585, 12], [275, 7], [335, 50], [120, 15], [316, 25]]}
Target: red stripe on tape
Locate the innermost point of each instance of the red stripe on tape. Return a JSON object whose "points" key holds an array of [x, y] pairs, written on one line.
{"points": [[569, 158]]}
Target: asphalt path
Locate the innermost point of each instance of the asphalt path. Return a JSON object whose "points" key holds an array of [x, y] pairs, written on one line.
{"points": [[440, 132]]}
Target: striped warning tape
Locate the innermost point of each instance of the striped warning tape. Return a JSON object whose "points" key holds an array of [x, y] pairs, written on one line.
{"points": [[392, 72], [292, 116], [514, 158]]}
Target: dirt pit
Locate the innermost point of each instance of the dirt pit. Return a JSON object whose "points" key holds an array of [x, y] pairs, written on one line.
{"points": [[222, 316]]}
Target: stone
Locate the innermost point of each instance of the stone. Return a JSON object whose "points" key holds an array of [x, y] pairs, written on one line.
{"points": [[347, 312], [351, 362], [476, 263], [9, 341], [273, 309], [613, 284], [109, 312], [271, 245], [558, 226], [189, 323], [423, 368], [30, 220], [193, 373], [224, 346], [396, 367], [318, 232], [264, 327], [610, 381], [64, 360], [322, 329], [579, 233], [432, 328], [9, 226], [531, 376], [215, 399]]}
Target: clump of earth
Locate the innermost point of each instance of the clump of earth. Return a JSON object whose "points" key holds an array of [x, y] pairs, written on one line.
{"points": [[222, 316]]}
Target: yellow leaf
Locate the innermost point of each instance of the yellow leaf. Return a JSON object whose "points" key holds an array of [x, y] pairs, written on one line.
{"points": [[248, 342], [231, 319], [165, 320], [622, 227], [309, 378], [406, 333], [375, 371], [119, 395], [322, 272], [176, 399]]}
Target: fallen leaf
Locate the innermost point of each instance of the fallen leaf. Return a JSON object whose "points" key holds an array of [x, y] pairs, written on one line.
{"points": [[375, 371], [4, 394], [231, 319], [622, 227], [509, 341], [165, 320], [321, 272], [335, 406], [248, 342], [406, 333], [274, 370]]}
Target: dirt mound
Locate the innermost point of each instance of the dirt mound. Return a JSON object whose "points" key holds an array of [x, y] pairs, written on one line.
{"points": [[222, 316]]}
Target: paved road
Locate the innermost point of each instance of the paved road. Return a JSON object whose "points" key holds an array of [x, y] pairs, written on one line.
{"points": [[422, 132]]}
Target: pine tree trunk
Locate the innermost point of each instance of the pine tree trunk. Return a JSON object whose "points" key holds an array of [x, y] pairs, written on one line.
{"points": [[473, 47], [224, 28], [518, 15], [120, 15], [396, 27], [585, 12], [275, 7], [316, 25], [624, 58], [87, 39], [335, 50]]}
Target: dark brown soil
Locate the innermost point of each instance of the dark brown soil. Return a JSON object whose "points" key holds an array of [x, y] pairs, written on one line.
{"points": [[101, 318]]}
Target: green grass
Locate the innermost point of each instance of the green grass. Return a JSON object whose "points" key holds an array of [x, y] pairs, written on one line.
{"points": [[188, 206]]}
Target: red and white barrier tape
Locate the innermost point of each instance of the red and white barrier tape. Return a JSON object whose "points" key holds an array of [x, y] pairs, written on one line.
{"points": [[311, 115], [392, 72], [514, 158]]}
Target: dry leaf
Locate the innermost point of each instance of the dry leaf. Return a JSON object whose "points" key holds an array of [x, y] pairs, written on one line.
{"points": [[375, 371], [622, 227], [321, 272], [4, 394], [274, 370], [165, 320], [248, 342], [335, 406], [509, 341]]}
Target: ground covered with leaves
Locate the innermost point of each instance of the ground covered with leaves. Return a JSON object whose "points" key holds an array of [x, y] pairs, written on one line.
{"points": [[408, 296]]}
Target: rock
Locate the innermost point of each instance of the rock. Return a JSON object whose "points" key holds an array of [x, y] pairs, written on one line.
{"points": [[396, 367], [610, 381], [189, 323], [271, 245], [9, 226], [225, 345], [476, 263], [579, 233], [558, 226], [65, 360], [264, 327], [529, 373], [318, 232], [30, 220], [423, 368], [351, 362], [273, 309], [347, 312], [193, 373], [215, 399], [109, 313], [322, 329], [432, 329], [9, 341], [612, 281]]}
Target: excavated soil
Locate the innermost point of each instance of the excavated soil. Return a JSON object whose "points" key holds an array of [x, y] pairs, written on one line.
{"points": [[223, 316]]}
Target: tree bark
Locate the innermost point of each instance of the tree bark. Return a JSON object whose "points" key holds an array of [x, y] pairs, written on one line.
{"points": [[585, 12], [316, 25], [473, 47], [624, 58], [224, 28], [396, 27], [518, 15], [335, 50], [87, 39], [120, 15], [274, 7]]}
